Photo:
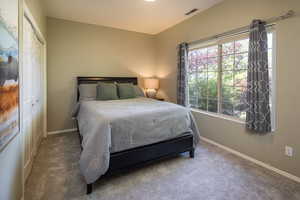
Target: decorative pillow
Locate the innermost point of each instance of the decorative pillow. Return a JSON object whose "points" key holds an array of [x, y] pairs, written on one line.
{"points": [[87, 92], [107, 91], [138, 91], [126, 91]]}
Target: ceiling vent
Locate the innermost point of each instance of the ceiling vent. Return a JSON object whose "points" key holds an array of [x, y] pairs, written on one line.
{"points": [[191, 11]]}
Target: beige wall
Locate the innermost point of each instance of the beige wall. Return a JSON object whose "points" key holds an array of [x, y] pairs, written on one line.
{"points": [[37, 10], [225, 16], [76, 49], [11, 181]]}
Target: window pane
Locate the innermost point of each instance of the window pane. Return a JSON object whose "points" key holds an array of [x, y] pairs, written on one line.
{"points": [[212, 85], [191, 69], [240, 105], [240, 95], [202, 84], [227, 108], [193, 89], [202, 104], [193, 101], [212, 105], [202, 52], [192, 77], [242, 46], [227, 78], [212, 51], [212, 64], [228, 48], [241, 61], [227, 62], [240, 78], [192, 61], [202, 64], [201, 76], [227, 93], [202, 91]]}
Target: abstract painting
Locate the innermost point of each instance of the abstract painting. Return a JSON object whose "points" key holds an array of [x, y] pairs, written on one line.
{"points": [[9, 71]]}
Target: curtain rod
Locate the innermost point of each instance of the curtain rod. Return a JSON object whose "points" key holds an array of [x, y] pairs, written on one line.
{"points": [[244, 29]]}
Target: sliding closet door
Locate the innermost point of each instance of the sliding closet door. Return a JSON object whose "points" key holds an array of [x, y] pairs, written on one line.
{"points": [[27, 95], [37, 86], [32, 90]]}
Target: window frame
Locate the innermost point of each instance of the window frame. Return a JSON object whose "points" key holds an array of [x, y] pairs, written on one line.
{"points": [[219, 43]]}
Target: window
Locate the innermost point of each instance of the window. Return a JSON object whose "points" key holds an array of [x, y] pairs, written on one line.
{"points": [[218, 76]]}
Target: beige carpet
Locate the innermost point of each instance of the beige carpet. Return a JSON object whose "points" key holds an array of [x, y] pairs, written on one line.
{"points": [[212, 175]]}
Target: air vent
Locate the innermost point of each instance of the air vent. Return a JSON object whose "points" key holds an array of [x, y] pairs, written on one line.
{"points": [[191, 11]]}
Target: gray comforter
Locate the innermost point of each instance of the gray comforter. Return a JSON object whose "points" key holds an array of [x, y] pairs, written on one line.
{"points": [[112, 126]]}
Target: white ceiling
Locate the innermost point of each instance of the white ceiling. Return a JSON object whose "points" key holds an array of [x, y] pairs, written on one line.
{"points": [[133, 15]]}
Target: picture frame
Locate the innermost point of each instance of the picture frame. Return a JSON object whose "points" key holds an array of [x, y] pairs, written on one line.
{"points": [[9, 72]]}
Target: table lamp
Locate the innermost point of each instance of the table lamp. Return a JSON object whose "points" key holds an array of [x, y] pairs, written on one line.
{"points": [[151, 85]]}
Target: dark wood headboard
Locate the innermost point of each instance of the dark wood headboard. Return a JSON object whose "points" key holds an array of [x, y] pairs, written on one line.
{"points": [[96, 79]]}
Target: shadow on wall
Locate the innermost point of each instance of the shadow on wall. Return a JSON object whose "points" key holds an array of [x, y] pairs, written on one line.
{"points": [[168, 80]]}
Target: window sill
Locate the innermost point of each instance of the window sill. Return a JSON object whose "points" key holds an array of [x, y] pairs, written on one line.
{"points": [[219, 116]]}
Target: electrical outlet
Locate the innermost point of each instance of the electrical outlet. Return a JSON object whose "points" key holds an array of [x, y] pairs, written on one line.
{"points": [[288, 151]]}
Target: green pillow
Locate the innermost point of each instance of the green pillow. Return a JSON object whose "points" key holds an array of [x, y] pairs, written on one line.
{"points": [[138, 91], [107, 91], [126, 91]]}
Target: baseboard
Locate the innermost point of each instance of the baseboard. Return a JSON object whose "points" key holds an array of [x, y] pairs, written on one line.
{"points": [[260, 163], [62, 131]]}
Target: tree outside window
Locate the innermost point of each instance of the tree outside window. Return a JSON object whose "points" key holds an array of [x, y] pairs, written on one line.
{"points": [[218, 77]]}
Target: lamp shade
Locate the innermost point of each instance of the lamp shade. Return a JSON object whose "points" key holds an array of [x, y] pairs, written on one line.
{"points": [[151, 83]]}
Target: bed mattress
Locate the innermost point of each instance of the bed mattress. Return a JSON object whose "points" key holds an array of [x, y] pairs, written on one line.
{"points": [[113, 126]]}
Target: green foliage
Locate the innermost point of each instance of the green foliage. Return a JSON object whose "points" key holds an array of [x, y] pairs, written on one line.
{"points": [[203, 78]]}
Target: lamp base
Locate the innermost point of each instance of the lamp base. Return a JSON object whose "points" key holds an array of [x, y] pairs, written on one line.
{"points": [[151, 93]]}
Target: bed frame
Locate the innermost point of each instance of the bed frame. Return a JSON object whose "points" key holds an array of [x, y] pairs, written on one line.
{"points": [[143, 155]]}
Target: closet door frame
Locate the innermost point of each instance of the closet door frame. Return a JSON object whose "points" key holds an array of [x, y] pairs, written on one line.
{"points": [[41, 37], [25, 14]]}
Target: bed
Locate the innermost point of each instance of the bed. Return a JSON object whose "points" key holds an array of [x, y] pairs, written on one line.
{"points": [[120, 134]]}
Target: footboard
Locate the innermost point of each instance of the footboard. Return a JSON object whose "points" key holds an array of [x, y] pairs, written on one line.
{"points": [[153, 152], [147, 154]]}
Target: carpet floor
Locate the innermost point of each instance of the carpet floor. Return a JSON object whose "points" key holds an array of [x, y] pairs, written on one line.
{"points": [[213, 174]]}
